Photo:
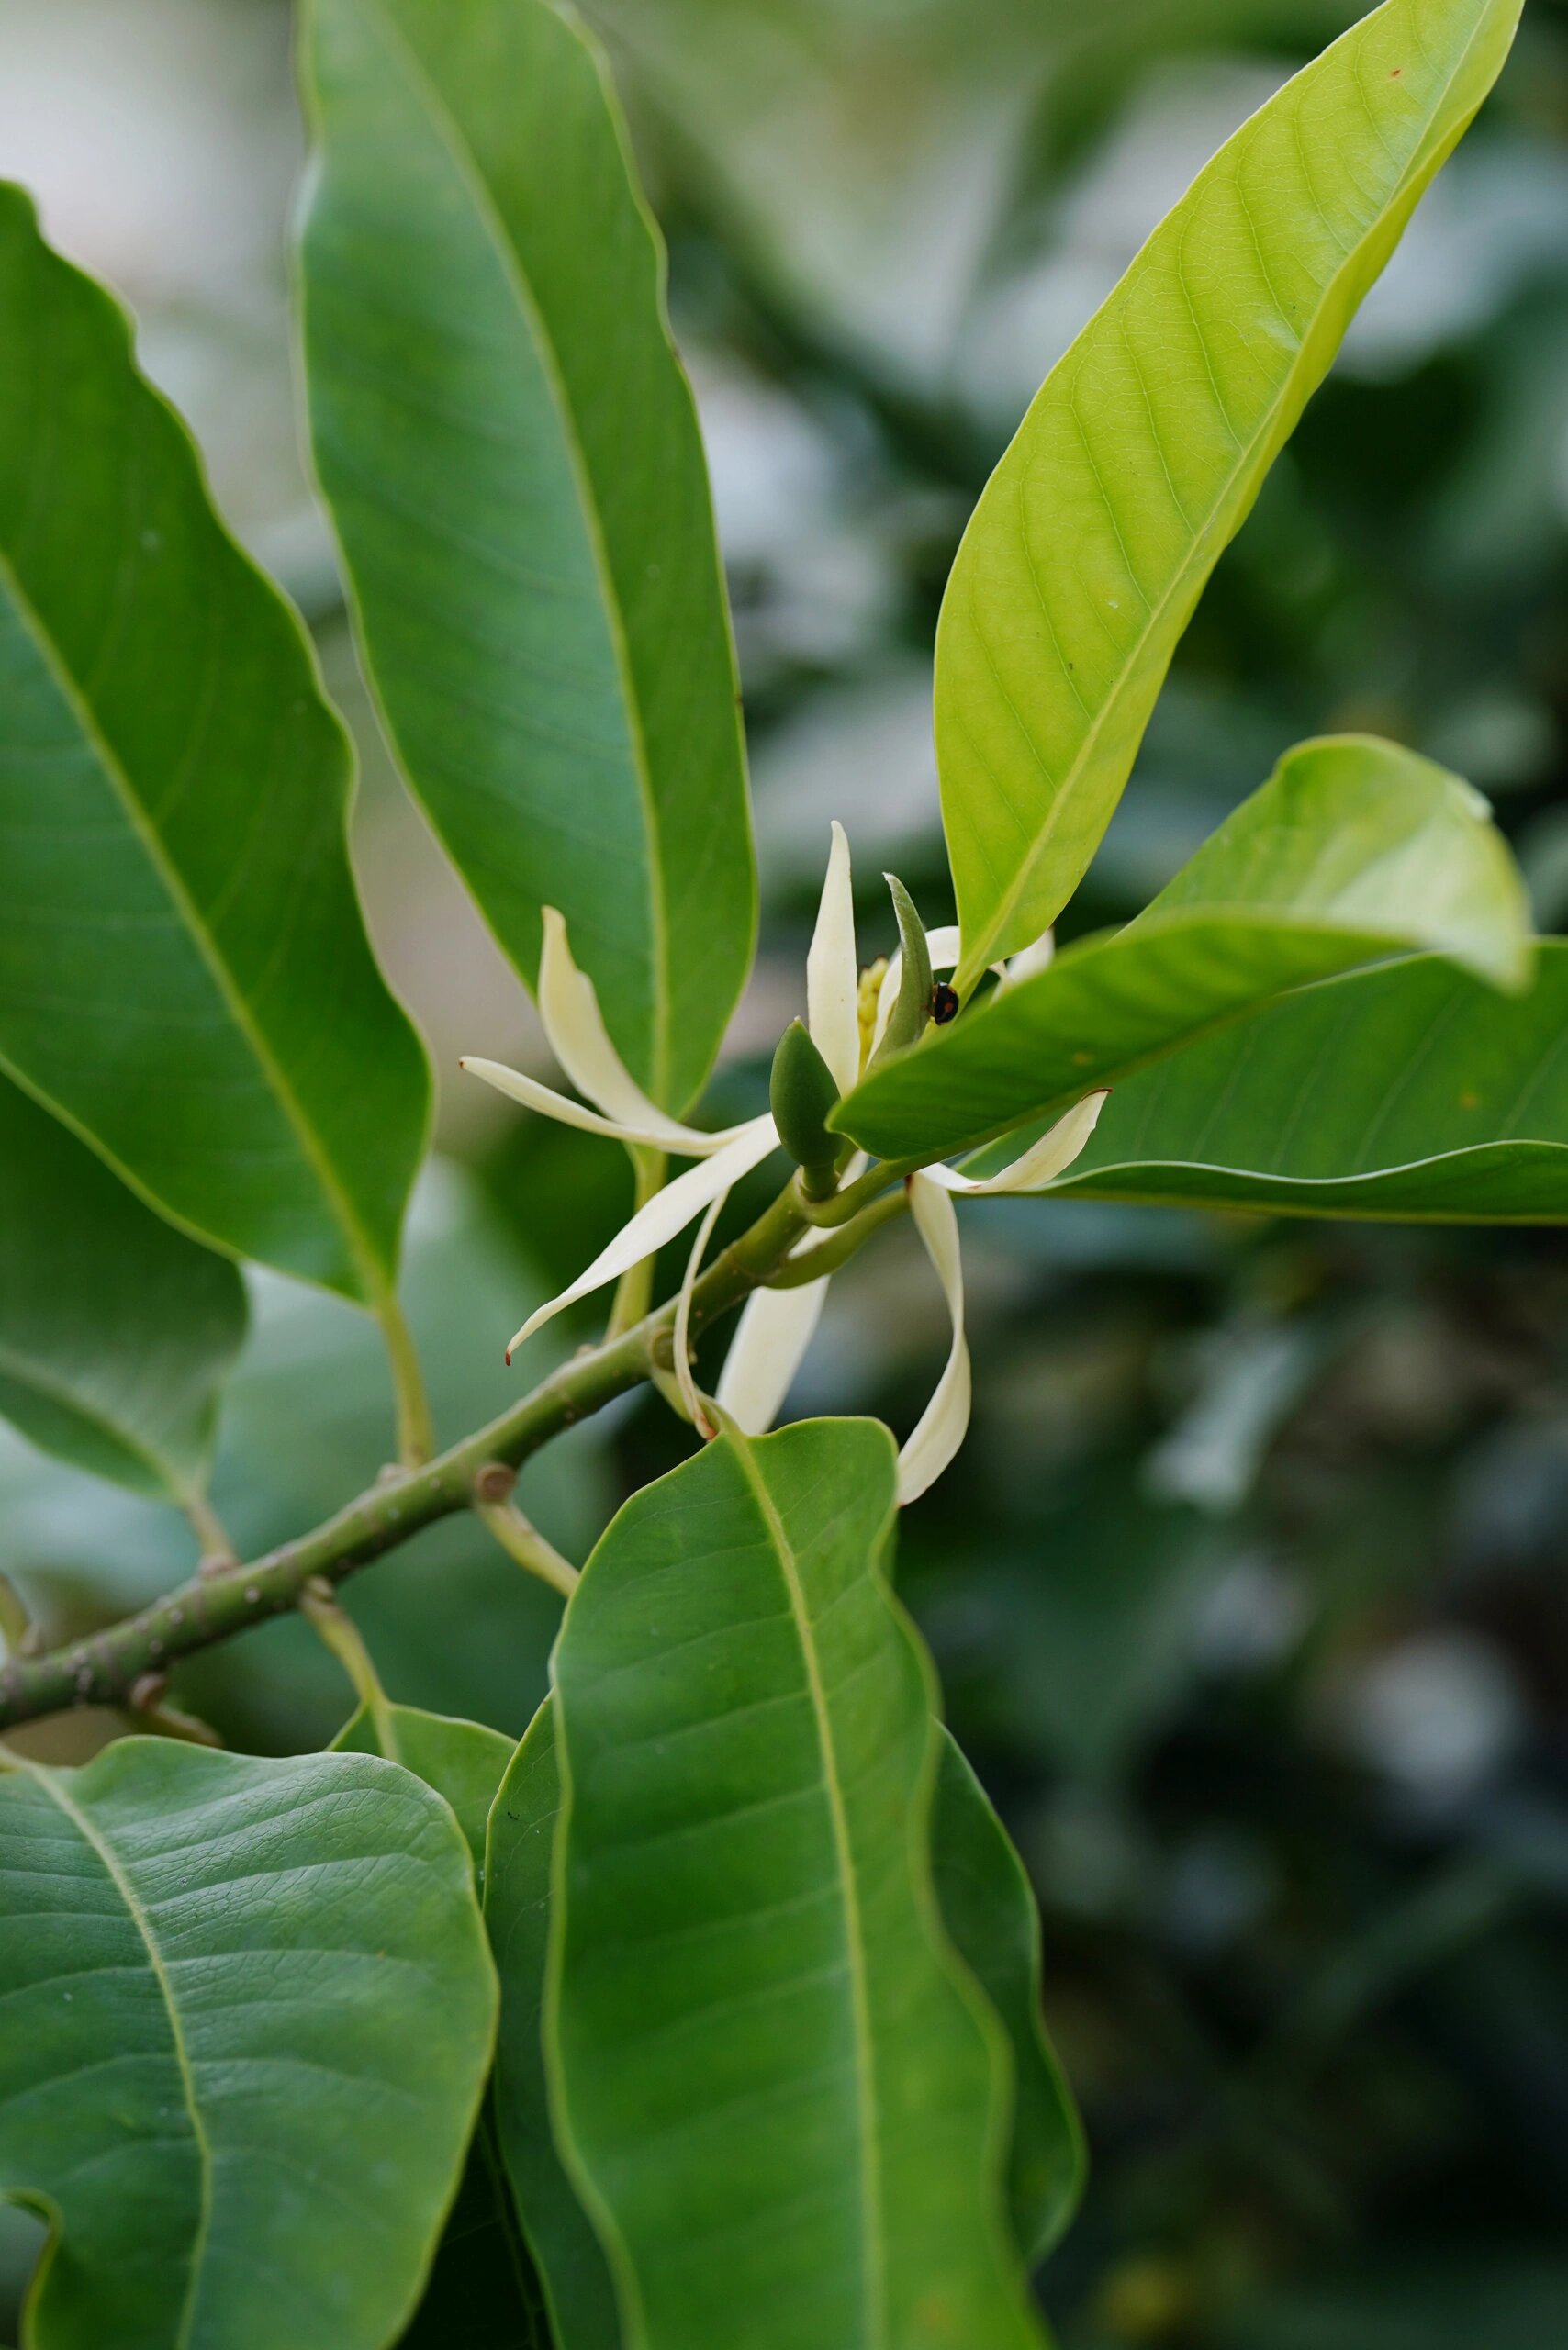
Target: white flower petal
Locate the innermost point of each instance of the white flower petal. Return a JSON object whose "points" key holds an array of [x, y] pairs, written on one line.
{"points": [[833, 977], [1040, 1164], [575, 1030], [567, 1112], [1036, 957], [668, 1213], [945, 1419], [684, 1378], [770, 1341]]}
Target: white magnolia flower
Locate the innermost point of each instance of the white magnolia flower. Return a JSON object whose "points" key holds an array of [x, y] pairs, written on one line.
{"points": [[776, 1325]]}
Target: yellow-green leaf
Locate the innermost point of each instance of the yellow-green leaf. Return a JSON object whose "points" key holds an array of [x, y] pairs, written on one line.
{"points": [[1145, 448]]}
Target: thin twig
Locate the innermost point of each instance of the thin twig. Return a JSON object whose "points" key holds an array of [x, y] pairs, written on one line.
{"points": [[521, 1541], [211, 1608], [416, 1433]]}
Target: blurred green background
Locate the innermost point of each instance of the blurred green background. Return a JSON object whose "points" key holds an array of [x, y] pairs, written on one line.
{"points": [[1249, 1590]]}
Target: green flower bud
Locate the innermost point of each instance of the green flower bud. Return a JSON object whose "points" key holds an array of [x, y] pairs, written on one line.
{"points": [[803, 1096], [911, 1007]]}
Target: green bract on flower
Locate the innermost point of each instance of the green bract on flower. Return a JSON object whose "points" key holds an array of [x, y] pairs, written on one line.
{"points": [[776, 1325]]}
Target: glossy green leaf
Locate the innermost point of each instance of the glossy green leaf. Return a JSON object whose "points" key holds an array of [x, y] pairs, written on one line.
{"points": [[988, 1907], [115, 1331], [509, 452], [248, 2018], [464, 1761], [578, 2289], [1406, 1092], [1145, 448], [781, 2095], [1352, 850], [185, 976]]}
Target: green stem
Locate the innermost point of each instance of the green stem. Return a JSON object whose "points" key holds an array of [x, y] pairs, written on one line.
{"points": [[212, 1607], [340, 1633], [211, 1535], [15, 1625], [521, 1541], [812, 1264], [845, 1205], [415, 1432]]}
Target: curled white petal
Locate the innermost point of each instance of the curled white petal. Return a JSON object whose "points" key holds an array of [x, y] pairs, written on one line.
{"points": [[668, 1213], [945, 1419], [567, 1112], [1036, 957], [769, 1345], [684, 1378], [1040, 1164], [833, 977], [575, 1030]]}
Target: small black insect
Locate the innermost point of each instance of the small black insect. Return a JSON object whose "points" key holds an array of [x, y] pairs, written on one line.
{"points": [[944, 1004]]}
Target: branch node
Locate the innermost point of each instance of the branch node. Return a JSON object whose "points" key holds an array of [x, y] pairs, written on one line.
{"points": [[495, 1481]]}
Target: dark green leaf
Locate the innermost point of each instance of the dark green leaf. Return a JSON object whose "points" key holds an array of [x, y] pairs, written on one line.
{"points": [[988, 1907], [1352, 850], [1406, 1092], [115, 1329], [777, 2092], [510, 454], [184, 972], [1145, 448], [573, 2269], [249, 2013]]}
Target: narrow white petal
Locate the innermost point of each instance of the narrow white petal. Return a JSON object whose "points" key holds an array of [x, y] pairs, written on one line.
{"points": [[661, 1136], [575, 1030], [833, 977], [684, 1379], [668, 1213], [768, 1347], [945, 1419], [1029, 959], [1041, 1163]]}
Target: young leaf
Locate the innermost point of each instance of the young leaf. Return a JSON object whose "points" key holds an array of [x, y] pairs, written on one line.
{"points": [[463, 1761], [988, 1907], [573, 2270], [1352, 850], [1407, 1092], [185, 976], [249, 2013], [780, 2096], [115, 1331], [1144, 450], [509, 451]]}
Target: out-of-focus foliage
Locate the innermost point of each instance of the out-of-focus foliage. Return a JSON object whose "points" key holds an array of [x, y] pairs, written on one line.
{"points": [[1246, 1591]]}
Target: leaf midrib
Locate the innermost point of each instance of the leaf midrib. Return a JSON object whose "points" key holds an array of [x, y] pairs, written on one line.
{"points": [[109, 1862], [854, 1928], [194, 926], [471, 176], [978, 956]]}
